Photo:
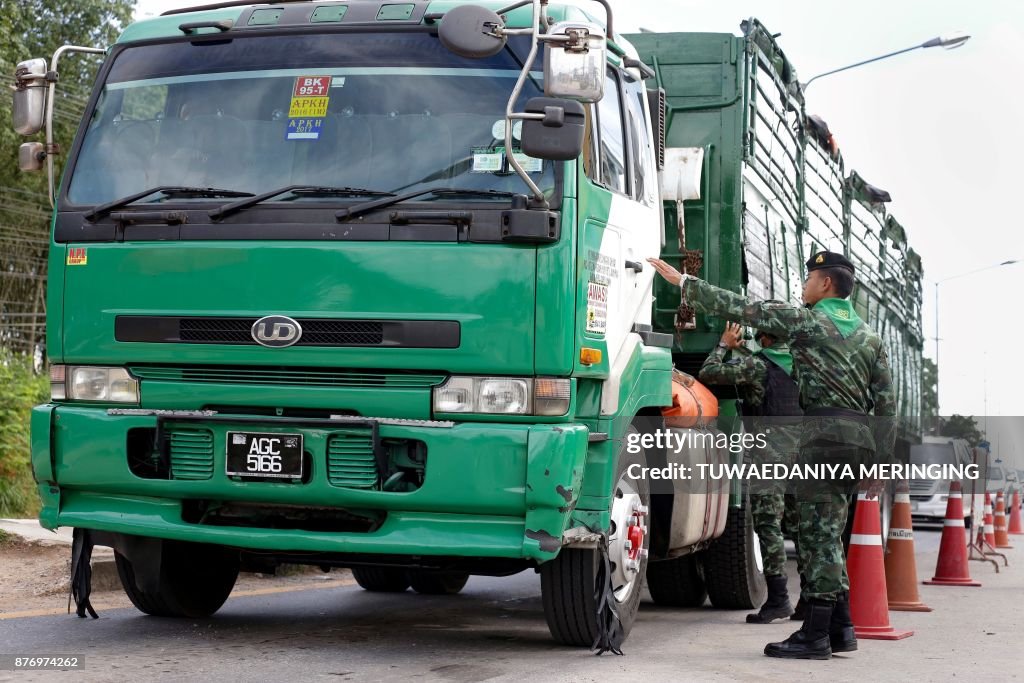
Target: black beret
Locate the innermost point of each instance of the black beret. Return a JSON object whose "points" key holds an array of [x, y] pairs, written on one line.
{"points": [[828, 259]]}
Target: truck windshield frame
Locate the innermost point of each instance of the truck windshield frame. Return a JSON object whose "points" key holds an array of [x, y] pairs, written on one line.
{"points": [[220, 109]]}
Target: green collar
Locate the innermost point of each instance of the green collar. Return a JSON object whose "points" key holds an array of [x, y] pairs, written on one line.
{"points": [[842, 314], [779, 354]]}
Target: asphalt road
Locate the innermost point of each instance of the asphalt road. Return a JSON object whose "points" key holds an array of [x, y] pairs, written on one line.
{"points": [[495, 630]]}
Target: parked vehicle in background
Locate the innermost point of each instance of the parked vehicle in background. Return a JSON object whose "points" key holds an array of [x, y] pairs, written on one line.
{"points": [[929, 497]]}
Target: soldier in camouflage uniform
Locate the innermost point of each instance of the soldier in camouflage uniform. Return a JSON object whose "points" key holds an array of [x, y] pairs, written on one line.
{"points": [[843, 375], [755, 375]]}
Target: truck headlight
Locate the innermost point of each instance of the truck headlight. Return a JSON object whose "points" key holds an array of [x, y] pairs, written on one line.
{"points": [[92, 383], [503, 396]]}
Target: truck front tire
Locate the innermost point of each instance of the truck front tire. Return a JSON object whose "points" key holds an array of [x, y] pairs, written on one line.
{"points": [[193, 580], [568, 583], [437, 583]]}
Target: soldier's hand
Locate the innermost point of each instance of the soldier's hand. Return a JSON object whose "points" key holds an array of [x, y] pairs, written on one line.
{"points": [[873, 488], [673, 276], [733, 335]]}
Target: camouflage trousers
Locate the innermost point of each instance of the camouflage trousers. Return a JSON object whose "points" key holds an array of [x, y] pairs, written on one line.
{"points": [[822, 508], [769, 511]]}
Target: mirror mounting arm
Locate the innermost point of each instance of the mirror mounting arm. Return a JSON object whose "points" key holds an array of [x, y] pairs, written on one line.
{"points": [[51, 77], [538, 195]]}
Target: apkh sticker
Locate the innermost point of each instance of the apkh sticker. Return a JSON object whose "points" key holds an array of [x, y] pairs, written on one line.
{"points": [[77, 256], [310, 97]]}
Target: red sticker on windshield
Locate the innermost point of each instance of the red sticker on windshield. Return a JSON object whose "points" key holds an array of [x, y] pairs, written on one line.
{"points": [[312, 86]]}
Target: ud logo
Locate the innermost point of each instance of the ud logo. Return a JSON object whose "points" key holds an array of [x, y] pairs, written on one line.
{"points": [[843, 314], [276, 331]]}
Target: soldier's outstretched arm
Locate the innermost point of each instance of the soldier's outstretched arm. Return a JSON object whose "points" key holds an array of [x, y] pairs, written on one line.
{"points": [[782, 320]]}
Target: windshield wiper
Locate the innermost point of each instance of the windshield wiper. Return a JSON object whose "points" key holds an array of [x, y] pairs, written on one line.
{"points": [[366, 207], [169, 190], [322, 191]]}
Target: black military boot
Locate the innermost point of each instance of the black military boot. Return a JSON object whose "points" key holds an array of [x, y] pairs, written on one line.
{"points": [[777, 606], [811, 641], [840, 631]]}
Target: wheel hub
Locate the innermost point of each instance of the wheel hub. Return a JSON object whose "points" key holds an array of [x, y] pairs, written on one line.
{"points": [[627, 542]]}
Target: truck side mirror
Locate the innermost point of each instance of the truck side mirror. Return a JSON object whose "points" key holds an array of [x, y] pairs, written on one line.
{"points": [[574, 62], [29, 106], [558, 135], [31, 156], [472, 31]]}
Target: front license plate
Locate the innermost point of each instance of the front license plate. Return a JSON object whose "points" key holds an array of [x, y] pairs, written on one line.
{"points": [[264, 456], [913, 506]]}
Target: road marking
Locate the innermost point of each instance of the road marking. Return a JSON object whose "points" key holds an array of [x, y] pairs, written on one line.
{"points": [[52, 611]]}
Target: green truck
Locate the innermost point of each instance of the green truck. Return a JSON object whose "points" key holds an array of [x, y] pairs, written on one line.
{"points": [[305, 306]]}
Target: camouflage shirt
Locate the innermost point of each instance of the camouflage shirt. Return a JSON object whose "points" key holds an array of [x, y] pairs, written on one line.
{"points": [[740, 368], [833, 369], [748, 372]]}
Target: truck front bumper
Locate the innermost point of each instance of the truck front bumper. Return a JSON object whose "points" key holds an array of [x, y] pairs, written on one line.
{"points": [[490, 490]]}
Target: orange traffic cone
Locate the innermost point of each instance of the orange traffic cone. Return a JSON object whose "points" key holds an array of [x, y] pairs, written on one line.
{"points": [[864, 562], [951, 568], [1002, 540], [989, 526], [900, 565], [1015, 526]]}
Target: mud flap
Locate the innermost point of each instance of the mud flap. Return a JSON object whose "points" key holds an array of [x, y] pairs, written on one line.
{"points": [[609, 629], [81, 573]]}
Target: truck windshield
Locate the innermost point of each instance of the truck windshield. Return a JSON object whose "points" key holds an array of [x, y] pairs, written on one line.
{"points": [[388, 112]]}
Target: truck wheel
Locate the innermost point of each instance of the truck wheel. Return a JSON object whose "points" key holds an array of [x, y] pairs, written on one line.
{"points": [[381, 579], [194, 580], [568, 581], [437, 583], [733, 571], [677, 582]]}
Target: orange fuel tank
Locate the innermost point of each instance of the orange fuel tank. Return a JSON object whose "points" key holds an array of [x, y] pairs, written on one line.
{"points": [[693, 405]]}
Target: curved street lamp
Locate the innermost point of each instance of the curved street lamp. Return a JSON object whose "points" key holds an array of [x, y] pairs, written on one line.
{"points": [[950, 41]]}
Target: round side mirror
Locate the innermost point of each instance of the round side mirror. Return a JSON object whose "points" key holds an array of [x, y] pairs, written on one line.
{"points": [[468, 31]]}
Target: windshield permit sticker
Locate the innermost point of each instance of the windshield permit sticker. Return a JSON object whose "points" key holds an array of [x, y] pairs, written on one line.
{"points": [[486, 160], [492, 160], [77, 256], [597, 307], [304, 129], [310, 97]]}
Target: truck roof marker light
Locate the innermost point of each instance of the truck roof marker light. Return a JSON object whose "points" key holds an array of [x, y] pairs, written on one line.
{"points": [[590, 356]]}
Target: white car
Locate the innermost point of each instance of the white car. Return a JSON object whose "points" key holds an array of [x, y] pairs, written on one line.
{"points": [[929, 497]]}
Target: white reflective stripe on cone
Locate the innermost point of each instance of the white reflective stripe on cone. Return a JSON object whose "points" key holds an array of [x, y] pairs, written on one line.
{"points": [[897, 534], [956, 495], [953, 522], [865, 539], [902, 498]]}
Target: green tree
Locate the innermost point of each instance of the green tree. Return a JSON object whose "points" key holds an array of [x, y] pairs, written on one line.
{"points": [[36, 28], [962, 427], [20, 389]]}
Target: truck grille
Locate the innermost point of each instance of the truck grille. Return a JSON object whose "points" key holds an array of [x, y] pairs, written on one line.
{"points": [[191, 452], [314, 332], [223, 374], [350, 460], [324, 332]]}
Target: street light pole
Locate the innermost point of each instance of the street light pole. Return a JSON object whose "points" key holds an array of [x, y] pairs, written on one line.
{"points": [[948, 42], [937, 283]]}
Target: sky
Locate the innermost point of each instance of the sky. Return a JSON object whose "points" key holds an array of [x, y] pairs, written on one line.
{"points": [[936, 128]]}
